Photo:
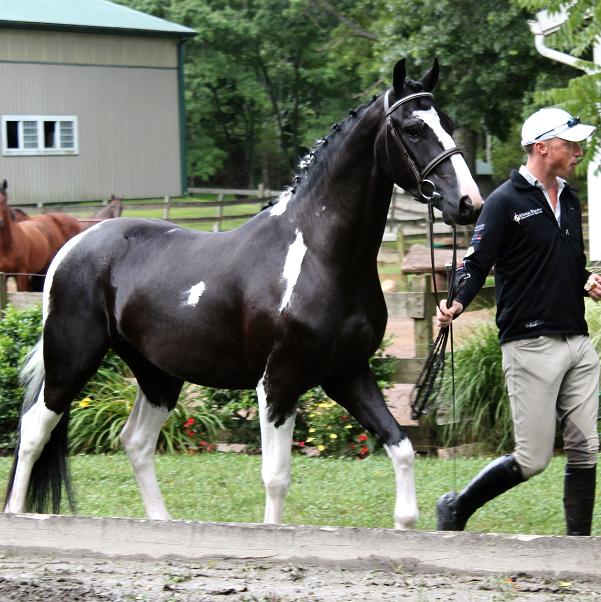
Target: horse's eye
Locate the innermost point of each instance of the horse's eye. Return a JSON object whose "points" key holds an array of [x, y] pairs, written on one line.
{"points": [[413, 131]]}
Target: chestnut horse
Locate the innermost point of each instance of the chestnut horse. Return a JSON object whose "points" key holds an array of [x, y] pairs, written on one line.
{"points": [[28, 244]]}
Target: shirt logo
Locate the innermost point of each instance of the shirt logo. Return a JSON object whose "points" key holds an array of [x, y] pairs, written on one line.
{"points": [[518, 217], [534, 323]]}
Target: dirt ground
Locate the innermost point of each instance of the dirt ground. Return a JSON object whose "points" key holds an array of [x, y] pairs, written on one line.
{"points": [[30, 577]]}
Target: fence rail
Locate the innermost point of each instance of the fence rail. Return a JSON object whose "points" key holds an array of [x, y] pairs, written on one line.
{"points": [[406, 222]]}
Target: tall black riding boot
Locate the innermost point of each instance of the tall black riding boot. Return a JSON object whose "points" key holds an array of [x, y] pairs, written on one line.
{"points": [[453, 510], [579, 498]]}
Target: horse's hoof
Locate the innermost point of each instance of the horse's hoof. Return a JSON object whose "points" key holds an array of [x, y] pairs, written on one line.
{"points": [[446, 513]]}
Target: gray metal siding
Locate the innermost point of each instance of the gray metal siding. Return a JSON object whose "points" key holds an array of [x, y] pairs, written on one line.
{"points": [[87, 49], [128, 131]]}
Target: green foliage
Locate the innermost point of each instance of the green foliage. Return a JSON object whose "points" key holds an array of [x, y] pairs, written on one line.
{"points": [[482, 413], [593, 319], [577, 36], [19, 331], [97, 419]]}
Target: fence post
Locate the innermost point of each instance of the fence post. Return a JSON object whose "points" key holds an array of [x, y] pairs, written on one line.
{"points": [[261, 191], [422, 327], [219, 217], [3, 292], [166, 208]]}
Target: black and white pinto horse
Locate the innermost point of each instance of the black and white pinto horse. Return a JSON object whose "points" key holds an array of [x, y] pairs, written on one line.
{"points": [[286, 302]]}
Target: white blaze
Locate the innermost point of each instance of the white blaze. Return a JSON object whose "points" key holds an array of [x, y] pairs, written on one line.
{"points": [[467, 186], [292, 267]]}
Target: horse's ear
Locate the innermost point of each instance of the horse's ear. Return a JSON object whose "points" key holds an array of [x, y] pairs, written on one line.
{"points": [[398, 78], [430, 78]]}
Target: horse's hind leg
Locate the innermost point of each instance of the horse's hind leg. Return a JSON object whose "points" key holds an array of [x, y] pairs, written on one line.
{"points": [[139, 439], [141, 431], [35, 430], [276, 451], [359, 393]]}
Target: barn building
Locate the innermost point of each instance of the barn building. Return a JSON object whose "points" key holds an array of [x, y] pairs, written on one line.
{"points": [[91, 103]]}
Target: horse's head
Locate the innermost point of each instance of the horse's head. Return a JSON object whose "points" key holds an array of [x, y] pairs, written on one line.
{"points": [[417, 151]]}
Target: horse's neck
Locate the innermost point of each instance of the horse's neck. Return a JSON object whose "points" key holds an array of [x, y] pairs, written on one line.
{"points": [[6, 231], [344, 208]]}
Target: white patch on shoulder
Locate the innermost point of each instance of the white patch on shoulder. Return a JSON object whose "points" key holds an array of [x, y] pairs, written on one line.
{"points": [[195, 293], [282, 203], [58, 259], [467, 186], [292, 267], [173, 230]]}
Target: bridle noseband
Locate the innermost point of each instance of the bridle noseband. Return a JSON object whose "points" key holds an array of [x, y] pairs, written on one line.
{"points": [[426, 188]]}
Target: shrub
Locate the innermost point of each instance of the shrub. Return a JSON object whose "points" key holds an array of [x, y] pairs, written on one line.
{"points": [[19, 331], [482, 413], [201, 413], [97, 419]]}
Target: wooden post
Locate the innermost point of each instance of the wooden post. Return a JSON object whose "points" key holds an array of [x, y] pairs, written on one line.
{"points": [[166, 208], [219, 216], [400, 249], [3, 292], [422, 327]]}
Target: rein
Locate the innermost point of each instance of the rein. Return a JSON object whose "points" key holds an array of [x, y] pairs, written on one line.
{"points": [[430, 378]]}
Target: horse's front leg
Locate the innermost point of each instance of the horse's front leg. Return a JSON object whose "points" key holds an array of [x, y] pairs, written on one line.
{"points": [[276, 451], [359, 393], [22, 282]]}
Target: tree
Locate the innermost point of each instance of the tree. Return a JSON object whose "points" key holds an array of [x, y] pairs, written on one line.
{"points": [[577, 36], [489, 65], [259, 86]]}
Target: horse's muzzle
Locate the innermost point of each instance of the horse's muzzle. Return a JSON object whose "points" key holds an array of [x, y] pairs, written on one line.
{"points": [[466, 213]]}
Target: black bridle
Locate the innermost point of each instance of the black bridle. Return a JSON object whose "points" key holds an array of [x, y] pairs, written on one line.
{"points": [[426, 188]]}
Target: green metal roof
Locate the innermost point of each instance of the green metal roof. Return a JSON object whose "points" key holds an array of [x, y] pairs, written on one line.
{"points": [[85, 15]]}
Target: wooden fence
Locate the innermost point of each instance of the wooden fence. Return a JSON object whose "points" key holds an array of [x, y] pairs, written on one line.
{"points": [[406, 218]]}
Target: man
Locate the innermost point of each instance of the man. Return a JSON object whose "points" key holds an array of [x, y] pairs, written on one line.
{"points": [[530, 229]]}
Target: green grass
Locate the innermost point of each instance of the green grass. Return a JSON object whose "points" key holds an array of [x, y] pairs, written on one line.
{"points": [[324, 491]]}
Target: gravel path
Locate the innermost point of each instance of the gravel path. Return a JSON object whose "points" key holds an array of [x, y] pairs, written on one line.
{"points": [[28, 577]]}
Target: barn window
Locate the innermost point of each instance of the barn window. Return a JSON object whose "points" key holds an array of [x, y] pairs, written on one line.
{"points": [[39, 135]]}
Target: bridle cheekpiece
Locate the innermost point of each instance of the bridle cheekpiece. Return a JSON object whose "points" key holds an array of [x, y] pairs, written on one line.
{"points": [[426, 188]]}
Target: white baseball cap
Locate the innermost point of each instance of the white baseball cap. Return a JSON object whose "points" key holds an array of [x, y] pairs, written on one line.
{"points": [[554, 123]]}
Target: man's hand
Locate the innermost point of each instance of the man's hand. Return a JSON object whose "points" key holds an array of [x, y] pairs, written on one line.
{"points": [[593, 287], [445, 315]]}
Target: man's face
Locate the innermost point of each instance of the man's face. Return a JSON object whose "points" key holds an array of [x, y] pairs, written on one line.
{"points": [[562, 156]]}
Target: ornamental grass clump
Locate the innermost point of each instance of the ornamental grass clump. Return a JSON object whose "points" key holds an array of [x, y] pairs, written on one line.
{"points": [[481, 412], [98, 418]]}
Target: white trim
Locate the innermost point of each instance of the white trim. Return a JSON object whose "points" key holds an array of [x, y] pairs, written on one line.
{"points": [[39, 149]]}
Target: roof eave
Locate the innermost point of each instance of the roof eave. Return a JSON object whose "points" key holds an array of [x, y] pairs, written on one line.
{"points": [[151, 33]]}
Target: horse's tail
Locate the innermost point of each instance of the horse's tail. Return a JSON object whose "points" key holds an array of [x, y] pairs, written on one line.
{"points": [[50, 471]]}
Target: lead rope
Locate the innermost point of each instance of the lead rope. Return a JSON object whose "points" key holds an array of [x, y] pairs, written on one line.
{"points": [[431, 376]]}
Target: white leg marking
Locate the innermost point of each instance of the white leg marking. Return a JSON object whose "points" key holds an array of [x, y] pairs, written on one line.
{"points": [[466, 183], [276, 451], [292, 267], [405, 509], [36, 426], [139, 438], [195, 293]]}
